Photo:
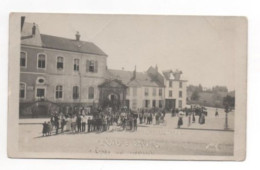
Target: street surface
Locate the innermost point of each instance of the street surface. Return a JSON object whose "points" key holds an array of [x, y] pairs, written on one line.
{"points": [[207, 139]]}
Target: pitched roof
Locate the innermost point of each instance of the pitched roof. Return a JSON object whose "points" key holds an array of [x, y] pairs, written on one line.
{"points": [[142, 78], [155, 75], [59, 43], [66, 44]]}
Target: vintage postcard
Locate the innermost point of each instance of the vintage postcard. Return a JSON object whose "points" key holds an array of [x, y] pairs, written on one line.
{"points": [[148, 87]]}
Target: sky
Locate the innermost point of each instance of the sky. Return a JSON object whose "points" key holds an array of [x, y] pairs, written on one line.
{"points": [[203, 48]]}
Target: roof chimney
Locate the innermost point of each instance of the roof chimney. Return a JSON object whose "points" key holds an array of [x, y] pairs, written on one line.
{"points": [[33, 29], [134, 74], [22, 22], [156, 68], [77, 36]]}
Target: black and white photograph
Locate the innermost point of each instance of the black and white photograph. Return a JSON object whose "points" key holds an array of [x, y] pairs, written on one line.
{"points": [[99, 86]]}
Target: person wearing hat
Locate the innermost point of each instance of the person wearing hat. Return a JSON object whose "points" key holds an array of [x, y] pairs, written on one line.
{"points": [[180, 121]]}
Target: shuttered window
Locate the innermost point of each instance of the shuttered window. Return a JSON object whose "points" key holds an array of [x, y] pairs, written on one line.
{"points": [[92, 66], [59, 63], [76, 64]]}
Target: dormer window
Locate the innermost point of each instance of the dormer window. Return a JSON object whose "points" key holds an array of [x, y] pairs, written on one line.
{"points": [[172, 77]]}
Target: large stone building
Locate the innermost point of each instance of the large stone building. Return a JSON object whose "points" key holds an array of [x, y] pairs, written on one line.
{"points": [[56, 70]]}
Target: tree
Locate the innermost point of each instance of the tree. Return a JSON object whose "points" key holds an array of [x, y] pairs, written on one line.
{"points": [[229, 101], [200, 88], [195, 96]]}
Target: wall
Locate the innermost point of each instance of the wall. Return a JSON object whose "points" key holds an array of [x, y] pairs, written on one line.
{"points": [[66, 77], [175, 91], [140, 97]]}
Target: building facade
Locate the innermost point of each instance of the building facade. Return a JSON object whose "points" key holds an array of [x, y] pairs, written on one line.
{"points": [[175, 89], [72, 72]]}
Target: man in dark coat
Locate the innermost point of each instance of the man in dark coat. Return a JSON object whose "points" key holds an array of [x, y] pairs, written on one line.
{"points": [[79, 123], [180, 122], [56, 120], [44, 129], [89, 124], [63, 123], [135, 123]]}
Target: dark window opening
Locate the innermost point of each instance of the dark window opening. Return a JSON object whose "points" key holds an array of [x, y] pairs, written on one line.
{"points": [[75, 92]]}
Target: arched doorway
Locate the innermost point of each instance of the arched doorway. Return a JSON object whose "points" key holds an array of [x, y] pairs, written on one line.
{"points": [[112, 94], [113, 100]]}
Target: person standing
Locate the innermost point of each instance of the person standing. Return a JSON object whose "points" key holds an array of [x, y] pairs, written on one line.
{"points": [[193, 118], [63, 123], [44, 129], [140, 117], [180, 122], [89, 124], [56, 120], [173, 112], [73, 123], [52, 121], [135, 123], [49, 129], [84, 121], [78, 123], [68, 123], [189, 119], [145, 116]]}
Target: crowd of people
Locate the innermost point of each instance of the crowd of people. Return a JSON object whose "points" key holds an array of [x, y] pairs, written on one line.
{"points": [[191, 112], [100, 120]]}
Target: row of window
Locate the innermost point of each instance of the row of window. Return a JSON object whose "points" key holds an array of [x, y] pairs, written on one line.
{"points": [[91, 65], [146, 92], [170, 93], [147, 103], [75, 92], [40, 92], [170, 84], [154, 92]]}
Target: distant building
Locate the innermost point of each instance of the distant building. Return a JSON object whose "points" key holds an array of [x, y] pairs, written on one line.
{"points": [[175, 89], [143, 91], [72, 72]]}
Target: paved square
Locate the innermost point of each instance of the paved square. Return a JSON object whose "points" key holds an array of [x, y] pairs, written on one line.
{"points": [[207, 139]]}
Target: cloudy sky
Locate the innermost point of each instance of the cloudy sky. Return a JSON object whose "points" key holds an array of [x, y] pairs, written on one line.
{"points": [[204, 48]]}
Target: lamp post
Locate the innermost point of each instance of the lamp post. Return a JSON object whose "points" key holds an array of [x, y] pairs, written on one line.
{"points": [[226, 117]]}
